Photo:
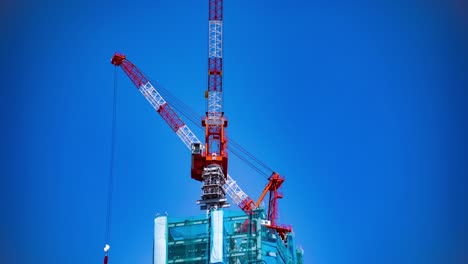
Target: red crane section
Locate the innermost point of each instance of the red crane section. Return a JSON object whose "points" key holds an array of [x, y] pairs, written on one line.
{"points": [[274, 183]]}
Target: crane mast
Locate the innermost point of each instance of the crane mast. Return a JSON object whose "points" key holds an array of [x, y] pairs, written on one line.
{"points": [[214, 121], [209, 164]]}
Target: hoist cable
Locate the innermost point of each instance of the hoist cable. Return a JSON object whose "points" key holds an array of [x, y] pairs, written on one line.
{"points": [[249, 163], [111, 165]]}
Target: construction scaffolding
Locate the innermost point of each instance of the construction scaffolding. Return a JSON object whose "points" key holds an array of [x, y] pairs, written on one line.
{"points": [[245, 238]]}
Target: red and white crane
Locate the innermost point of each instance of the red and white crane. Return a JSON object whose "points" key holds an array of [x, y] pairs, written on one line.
{"points": [[232, 189], [209, 160], [213, 151]]}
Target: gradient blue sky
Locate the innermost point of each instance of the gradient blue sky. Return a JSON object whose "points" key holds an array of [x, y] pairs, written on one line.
{"points": [[360, 105]]}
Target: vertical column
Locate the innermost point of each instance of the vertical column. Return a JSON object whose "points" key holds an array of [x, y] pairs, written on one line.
{"points": [[258, 247], [160, 240], [216, 239]]}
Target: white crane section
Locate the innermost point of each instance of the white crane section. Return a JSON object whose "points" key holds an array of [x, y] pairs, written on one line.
{"points": [[234, 191], [153, 97], [215, 108], [156, 100], [215, 51], [187, 136], [215, 39]]}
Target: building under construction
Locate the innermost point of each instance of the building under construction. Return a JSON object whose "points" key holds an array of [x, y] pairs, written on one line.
{"points": [[218, 236], [228, 237]]}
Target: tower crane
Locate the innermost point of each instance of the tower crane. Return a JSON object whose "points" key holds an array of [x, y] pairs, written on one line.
{"points": [[209, 160], [230, 187]]}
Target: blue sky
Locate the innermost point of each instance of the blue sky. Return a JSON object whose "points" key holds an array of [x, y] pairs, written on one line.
{"points": [[361, 106]]}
